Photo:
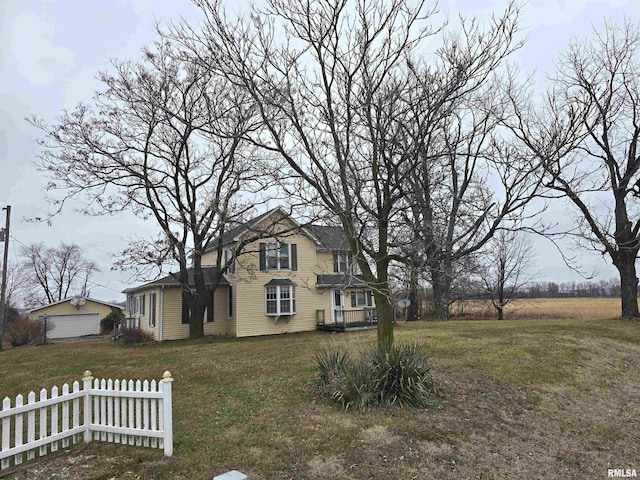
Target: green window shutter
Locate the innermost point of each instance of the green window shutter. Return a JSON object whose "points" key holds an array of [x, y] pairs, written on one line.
{"points": [[263, 259], [143, 302], [369, 300], [185, 309], [210, 308], [294, 256], [353, 299]]}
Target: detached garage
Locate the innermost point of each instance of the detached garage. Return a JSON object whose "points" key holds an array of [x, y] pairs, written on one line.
{"points": [[73, 317]]}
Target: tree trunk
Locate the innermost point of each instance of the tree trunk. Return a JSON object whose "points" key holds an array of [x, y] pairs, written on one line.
{"points": [[385, 321], [412, 311], [441, 290], [626, 265], [500, 312], [196, 326]]}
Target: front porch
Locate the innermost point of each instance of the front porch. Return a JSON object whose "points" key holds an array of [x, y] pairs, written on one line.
{"points": [[346, 320]]}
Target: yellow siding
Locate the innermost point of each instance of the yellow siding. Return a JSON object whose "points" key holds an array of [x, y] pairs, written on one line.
{"points": [[65, 308], [324, 262], [144, 319], [250, 291], [221, 323], [173, 328]]}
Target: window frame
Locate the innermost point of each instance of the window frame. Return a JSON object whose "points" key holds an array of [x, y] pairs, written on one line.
{"points": [[152, 309], [368, 298], [138, 301], [273, 251], [229, 260], [277, 299], [342, 259]]}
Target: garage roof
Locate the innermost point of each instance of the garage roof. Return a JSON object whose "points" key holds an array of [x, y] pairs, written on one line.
{"points": [[68, 299]]}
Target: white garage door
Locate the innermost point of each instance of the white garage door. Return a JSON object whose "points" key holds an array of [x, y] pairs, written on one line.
{"points": [[78, 325]]}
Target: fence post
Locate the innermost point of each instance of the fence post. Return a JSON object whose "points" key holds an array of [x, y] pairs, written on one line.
{"points": [[166, 413], [86, 379]]}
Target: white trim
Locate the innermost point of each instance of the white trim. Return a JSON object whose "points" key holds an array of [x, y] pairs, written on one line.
{"points": [[68, 299], [292, 300], [161, 317], [278, 247], [334, 306]]}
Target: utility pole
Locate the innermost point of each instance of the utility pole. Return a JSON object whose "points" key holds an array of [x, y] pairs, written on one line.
{"points": [[4, 235]]}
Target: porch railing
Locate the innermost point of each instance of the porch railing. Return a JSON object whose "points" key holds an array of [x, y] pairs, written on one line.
{"points": [[366, 316]]}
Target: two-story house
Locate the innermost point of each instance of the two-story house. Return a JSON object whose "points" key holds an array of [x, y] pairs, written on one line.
{"points": [[294, 279]]}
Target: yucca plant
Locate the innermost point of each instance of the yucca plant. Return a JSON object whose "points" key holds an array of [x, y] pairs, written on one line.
{"points": [[400, 376]]}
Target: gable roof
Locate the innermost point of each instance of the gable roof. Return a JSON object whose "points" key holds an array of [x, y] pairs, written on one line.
{"points": [[325, 237], [171, 280], [68, 299], [230, 236]]}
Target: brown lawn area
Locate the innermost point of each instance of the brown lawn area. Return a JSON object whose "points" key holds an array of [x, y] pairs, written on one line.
{"points": [[520, 399]]}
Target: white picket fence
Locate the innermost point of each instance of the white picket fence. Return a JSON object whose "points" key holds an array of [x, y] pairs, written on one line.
{"points": [[120, 411]]}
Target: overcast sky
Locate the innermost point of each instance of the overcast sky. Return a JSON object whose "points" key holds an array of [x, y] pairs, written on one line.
{"points": [[52, 51]]}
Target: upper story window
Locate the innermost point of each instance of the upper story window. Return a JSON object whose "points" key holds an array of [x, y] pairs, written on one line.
{"points": [[278, 256], [342, 262], [229, 262]]}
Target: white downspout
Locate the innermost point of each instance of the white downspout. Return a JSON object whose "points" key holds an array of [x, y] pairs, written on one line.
{"points": [[161, 319]]}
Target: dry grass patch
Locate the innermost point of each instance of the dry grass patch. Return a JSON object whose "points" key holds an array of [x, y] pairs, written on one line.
{"points": [[521, 399], [541, 308]]}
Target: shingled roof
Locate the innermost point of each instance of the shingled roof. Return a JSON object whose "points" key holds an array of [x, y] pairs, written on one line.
{"points": [[171, 280], [327, 237], [340, 280], [331, 238]]}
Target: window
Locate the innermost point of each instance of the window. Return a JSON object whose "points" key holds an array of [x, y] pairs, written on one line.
{"points": [[361, 298], [280, 300], [342, 262], [278, 256], [137, 305], [152, 309], [229, 262]]}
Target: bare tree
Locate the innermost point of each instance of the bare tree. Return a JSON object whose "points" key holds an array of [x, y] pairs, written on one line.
{"points": [[466, 179], [586, 135], [324, 75], [55, 273], [18, 285], [163, 140], [507, 267]]}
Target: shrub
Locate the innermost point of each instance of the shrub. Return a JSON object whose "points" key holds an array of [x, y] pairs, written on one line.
{"points": [[23, 331], [401, 376], [108, 323], [331, 364], [135, 335]]}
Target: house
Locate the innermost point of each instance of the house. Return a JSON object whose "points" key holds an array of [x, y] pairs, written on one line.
{"points": [[74, 316], [292, 279]]}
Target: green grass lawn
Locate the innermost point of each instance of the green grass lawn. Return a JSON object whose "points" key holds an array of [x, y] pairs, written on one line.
{"points": [[520, 399]]}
